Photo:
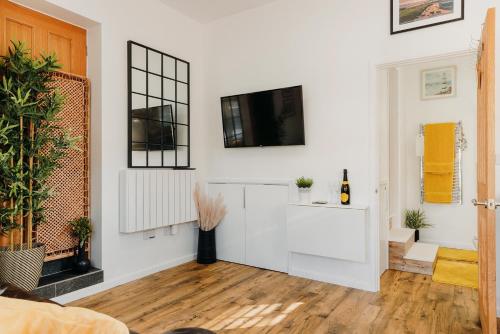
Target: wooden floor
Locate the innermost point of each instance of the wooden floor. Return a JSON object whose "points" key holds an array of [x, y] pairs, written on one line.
{"points": [[230, 298]]}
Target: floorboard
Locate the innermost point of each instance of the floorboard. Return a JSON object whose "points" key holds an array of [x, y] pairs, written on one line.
{"points": [[231, 298]]}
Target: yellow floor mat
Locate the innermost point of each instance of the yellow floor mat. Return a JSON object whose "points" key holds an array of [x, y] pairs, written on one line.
{"points": [[453, 254], [456, 273]]}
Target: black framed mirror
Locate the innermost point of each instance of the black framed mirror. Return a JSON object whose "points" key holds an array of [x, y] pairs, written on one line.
{"points": [[158, 109]]}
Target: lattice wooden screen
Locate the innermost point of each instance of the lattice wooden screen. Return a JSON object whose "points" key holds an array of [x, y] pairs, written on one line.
{"points": [[70, 183]]}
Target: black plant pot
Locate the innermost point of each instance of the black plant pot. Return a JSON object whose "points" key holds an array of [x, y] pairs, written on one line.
{"points": [[417, 235], [81, 263], [206, 247]]}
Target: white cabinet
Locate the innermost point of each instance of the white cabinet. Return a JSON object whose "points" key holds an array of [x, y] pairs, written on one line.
{"points": [[254, 229], [265, 213], [329, 231], [230, 234]]}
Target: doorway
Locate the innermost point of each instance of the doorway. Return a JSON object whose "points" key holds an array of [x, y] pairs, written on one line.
{"points": [[423, 219], [397, 170]]}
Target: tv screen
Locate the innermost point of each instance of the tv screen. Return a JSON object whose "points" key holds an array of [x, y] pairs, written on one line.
{"points": [[268, 118]]}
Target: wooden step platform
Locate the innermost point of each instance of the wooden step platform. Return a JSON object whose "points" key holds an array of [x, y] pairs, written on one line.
{"points": [[407, 255], [400, 242], [421, 258]]}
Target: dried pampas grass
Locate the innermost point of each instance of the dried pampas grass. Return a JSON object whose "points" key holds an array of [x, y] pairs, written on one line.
{"points": [[210, 211]]}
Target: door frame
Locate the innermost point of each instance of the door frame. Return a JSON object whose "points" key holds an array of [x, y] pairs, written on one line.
{"points": [[381, 95]]}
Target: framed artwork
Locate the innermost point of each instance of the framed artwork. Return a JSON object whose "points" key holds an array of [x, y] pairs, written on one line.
{"points": [[408, 15], [439, 83]]}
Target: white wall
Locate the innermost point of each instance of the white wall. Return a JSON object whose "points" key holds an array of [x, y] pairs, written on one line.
{"points": [[454, 225], [326, 47], [315, 43], [283, 44], [111, 23]]}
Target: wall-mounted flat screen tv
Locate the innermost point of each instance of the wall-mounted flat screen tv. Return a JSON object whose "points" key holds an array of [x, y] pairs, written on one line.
{"points": [[267, 118]]}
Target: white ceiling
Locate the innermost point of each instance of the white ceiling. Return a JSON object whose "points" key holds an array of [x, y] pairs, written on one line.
{"points": [[205, 11]]}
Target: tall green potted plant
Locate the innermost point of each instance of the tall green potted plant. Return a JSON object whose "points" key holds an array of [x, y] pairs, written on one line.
{"points": [[31, 145], [81, 229]]}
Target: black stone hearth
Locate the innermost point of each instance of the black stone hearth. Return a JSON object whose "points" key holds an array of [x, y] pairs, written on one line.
{"points": [[57, 266], [58, 279]]}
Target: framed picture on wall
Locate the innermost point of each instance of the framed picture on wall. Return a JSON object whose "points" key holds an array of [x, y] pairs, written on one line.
{"points": [[439, 83], [408, 15]]}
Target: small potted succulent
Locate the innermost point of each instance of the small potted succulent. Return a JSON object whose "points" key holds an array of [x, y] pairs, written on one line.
{"points": [[304, 185], [415, 219], [81, 229]]}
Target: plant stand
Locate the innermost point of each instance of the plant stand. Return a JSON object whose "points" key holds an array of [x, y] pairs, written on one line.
{"points": [[206, 247]]}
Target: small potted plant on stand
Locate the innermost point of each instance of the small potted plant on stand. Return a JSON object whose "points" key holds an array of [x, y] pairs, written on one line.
{"points": [[415, 219], [81, 229], [31, 146], [210, 213], [304, 186]]}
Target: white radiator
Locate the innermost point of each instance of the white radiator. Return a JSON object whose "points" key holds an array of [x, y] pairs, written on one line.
{"points": [[151, 199]]}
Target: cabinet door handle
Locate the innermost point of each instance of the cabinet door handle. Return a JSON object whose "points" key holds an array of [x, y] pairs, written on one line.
{"points": [[244, 198]]}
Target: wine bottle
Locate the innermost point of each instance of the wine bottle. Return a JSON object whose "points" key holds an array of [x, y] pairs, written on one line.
{"points": [[345, 191]]}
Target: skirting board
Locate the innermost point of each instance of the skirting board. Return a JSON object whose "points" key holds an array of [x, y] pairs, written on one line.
{"points": [[347, 282], [449, 244], [106, 285]]}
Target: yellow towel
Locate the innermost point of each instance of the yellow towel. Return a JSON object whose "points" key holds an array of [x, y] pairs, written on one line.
{"points": [[25, 317], [452, 254], [456, 273], [439, 158]]}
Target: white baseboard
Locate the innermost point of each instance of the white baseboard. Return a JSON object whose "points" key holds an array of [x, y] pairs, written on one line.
{"points": [[449, 244], [106, 285], [350, 283]]}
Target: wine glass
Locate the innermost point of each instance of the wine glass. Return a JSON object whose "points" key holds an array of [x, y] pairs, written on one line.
{"points": [[334, 187]]}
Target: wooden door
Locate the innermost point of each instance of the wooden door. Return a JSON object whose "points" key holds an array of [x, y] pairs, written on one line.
{"points": [[43, 33], [486, 175]]}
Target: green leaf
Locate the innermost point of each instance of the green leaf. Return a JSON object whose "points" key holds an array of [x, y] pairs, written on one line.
{"points": [[415, 219], [27, 90]]}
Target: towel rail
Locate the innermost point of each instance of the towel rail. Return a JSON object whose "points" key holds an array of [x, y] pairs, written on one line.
{"points": [[460, 146]]}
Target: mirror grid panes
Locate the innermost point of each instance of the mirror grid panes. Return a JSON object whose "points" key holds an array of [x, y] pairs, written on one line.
{"points": [[158, 109]]}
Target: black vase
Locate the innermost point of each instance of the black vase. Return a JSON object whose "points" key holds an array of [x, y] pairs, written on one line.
{"points": [[206, 247], [81, 262], [417, 235]]}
